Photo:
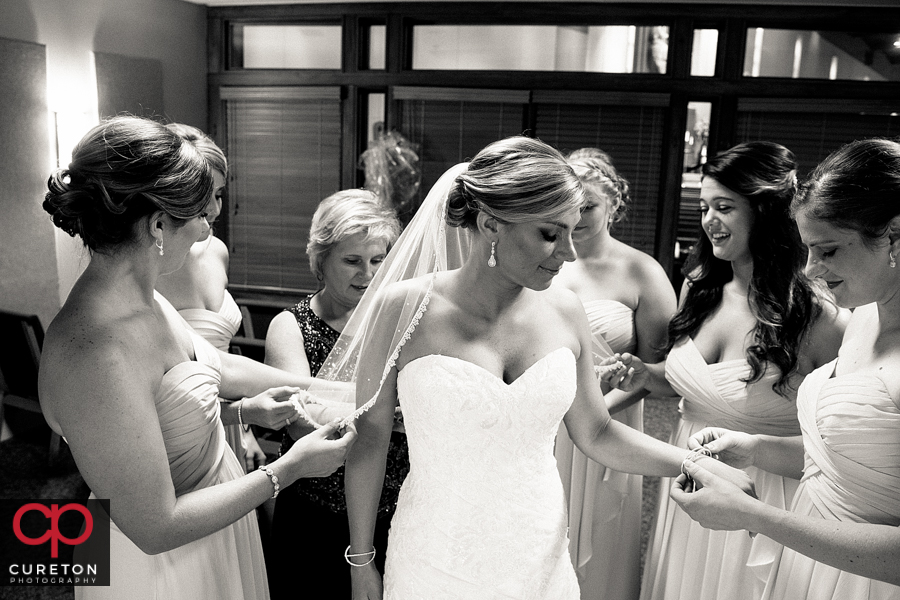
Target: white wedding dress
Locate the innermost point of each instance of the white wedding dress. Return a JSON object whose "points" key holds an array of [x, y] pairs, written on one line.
{"points": [[482, 513]]}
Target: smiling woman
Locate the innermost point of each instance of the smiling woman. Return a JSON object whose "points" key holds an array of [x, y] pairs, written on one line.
{"points": [[840, 538], [748, 328], [349, 237]]}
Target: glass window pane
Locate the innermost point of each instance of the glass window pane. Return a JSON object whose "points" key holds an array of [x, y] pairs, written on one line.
{"points": [[375, 116], [696, 136], [292, 46], [800, 54], [703, 52], [595, 49], [377, 46]]}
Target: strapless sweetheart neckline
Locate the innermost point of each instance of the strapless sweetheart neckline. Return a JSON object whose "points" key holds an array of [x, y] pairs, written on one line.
{"points": [[484, 370]]}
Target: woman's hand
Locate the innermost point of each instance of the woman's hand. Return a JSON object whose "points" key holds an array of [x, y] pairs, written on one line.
{"points": [[254, 457], [366, 583], [715, 502], [272, 409], [734, 448], [320, 453], [736, 477], [624, 372]]}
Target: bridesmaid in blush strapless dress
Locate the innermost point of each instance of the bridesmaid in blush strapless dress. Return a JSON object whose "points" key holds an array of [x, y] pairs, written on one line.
{"points": [[628, 300]]}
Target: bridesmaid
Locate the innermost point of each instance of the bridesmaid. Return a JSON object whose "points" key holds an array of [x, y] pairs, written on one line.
{"points": [[841, 537], [349, 237], [748, 328], [198, 290], [628, 300], [135, 391]]}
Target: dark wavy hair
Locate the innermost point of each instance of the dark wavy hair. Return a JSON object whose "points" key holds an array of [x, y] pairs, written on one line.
{"points": [[121, 171], [780, 295], [856, 187]]}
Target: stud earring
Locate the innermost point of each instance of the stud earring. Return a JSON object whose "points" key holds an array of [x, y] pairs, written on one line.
{"points": [[159, 244], [492, 261], [893, 262]]}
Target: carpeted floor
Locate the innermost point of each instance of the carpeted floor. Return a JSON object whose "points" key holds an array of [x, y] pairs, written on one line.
{"points": [[25, 473]]}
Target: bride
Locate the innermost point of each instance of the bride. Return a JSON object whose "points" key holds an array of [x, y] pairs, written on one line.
{"points": [[462, 329]]}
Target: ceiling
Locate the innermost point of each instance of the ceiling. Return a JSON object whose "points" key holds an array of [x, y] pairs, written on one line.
{"points": [[855, 3]]}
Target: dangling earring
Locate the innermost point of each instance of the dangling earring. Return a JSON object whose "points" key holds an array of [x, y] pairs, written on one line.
{"points": [[492, 261], [893, 262], [159, 244]]}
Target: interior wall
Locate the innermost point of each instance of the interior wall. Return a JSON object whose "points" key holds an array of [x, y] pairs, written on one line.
{"points": [[27, 271], [171, 32]]}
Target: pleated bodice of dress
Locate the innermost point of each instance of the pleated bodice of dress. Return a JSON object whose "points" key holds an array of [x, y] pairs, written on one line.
{"points": [[227, 564], [684, 559], [851, 439], [718, 395], [604, 505], [216, 327]]}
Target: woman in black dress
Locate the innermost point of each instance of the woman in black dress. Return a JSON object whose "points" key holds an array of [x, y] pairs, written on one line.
{"points": [[350, 235]]}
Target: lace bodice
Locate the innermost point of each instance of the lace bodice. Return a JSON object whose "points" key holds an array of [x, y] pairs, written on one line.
{"points": [[482, 513]]}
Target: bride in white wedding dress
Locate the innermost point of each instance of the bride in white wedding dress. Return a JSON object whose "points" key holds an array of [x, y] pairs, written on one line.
{"points": [[485, 361]]}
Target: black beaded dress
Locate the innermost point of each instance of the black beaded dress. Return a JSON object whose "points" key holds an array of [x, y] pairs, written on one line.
{"points": [[310, 530]]}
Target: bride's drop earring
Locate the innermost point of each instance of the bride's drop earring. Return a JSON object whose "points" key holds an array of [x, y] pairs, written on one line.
{"points": [[492, 261], [893, 260], [159, 244]]}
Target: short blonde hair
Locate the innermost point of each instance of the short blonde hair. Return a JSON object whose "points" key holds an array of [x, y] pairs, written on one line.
{"points": [[344, 214]]}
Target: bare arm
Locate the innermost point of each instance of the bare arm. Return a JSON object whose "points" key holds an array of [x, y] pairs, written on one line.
{"points": [[780, 455], [864, 549], [612, 443], [285, 346], [364, 477], [101, 394], [656, 305]]}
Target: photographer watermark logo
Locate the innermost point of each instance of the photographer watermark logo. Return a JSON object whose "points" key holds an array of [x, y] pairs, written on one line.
{"points": [[54, 542]]}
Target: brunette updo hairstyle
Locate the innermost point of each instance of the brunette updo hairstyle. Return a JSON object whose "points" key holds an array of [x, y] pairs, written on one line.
{"points": [[204, 144], [857, 187], [594, 166], [780, 296], [347, 213], [121, 171], [515, 180]]}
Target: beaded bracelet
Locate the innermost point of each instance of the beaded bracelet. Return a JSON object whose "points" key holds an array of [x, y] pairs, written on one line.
{"points": [[240, 405], [692, 455], [268, 471], [348, 556]]}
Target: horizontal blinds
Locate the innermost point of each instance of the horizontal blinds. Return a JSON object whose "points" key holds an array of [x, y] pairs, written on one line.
{"points": [[632, 135], [284, 156], [812, 135], [453, 131]]}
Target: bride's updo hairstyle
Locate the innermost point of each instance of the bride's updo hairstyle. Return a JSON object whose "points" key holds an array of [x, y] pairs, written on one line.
{"points": [[515, 180], [122, 171]]}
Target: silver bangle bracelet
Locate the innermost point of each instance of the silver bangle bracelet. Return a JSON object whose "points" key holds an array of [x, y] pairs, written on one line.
{"points": [[348, 556]]}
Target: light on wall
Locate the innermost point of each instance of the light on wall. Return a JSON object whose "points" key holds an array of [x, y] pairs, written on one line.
{"points": [[67, 129]]}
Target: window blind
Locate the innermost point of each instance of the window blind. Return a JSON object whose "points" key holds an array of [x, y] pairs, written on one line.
{"points": [[630, 129], [284, 156], [451, 125], [813, 130]]}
